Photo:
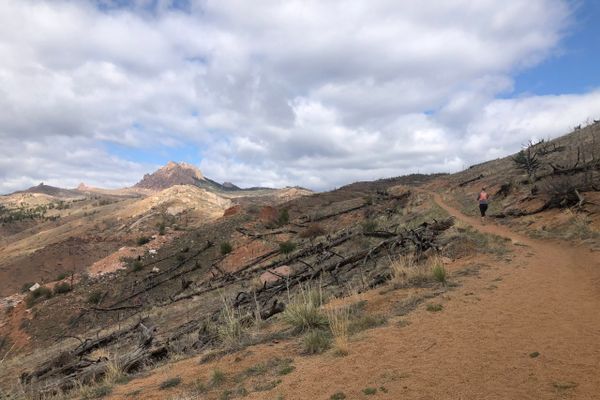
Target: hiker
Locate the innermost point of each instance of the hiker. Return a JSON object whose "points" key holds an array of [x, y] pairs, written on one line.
{"points": [[483, 199]]}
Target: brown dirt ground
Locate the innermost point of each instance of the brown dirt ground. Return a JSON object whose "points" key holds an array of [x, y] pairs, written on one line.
{"points": [[545, 300], [10, 325]]}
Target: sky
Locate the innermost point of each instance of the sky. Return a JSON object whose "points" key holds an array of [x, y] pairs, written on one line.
{"points": [[280, 93]]}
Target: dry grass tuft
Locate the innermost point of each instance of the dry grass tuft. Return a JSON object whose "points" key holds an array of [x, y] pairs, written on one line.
{"points": [[437, 269], [316, 342], [406, 272], [339, 318], [304, 310], [114, 372], [230, 330]]}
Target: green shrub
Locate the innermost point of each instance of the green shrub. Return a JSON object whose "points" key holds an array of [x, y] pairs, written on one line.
{"points": [[39, 293], [61, 276], [287, 247], [286, 369], [136, 265], [439, 272], [337, 396], [366, 321], [283, 218], [169, 383], [255, 370], [62, 288], [369, 391], [369, 226], [218, 377], [95, 297], [226, 248], [316, 341], [199, 387], [161, 228], [142, 240], [434, 307]]}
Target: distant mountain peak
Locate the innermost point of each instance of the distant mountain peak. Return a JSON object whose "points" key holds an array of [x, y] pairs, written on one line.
{"points": [[170, 175], [229, 185], [173, 167], [83, 187], [42, 188]]}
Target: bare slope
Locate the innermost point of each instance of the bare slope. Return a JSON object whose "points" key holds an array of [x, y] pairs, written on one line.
{"points": [[524, 329]]}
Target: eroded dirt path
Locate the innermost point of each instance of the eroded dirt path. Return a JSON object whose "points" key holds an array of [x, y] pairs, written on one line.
{"points": [[545, 299]]}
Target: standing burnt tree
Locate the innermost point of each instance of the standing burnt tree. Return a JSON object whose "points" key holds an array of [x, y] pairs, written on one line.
{"points": [[528, 160]]}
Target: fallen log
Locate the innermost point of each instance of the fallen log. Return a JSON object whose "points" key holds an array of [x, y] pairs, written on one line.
{"points": [[465, 183]]}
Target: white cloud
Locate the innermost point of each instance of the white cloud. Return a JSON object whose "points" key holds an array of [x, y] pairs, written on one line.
{"points": [[273, 93]]}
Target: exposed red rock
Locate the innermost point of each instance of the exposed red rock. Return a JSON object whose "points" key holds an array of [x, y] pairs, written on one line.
{"points": [[170, 175]]}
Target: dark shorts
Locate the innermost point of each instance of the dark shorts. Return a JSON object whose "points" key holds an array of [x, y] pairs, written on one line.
{"points": [[483, 209]]}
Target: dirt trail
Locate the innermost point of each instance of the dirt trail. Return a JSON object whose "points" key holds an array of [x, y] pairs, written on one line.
{"points": [[545, 300]]}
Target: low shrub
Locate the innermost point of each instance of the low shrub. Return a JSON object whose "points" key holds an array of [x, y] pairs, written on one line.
{"points": [[142, 240], [316, 341], [303, 311], [39, 293], [366, 321], [369, 226], [439, 272], [95, 297], [287, 247], [169, 383], [434, 307], [26, 286], [283, 218], [62, 288], [218, 377], [136, 265], [226, 248]]}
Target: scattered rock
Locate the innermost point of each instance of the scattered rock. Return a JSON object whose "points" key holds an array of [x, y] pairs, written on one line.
{"points": [[35, 287]]}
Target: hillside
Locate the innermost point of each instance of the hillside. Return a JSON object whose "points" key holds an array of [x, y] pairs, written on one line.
{"points": [[388, 289], [47, 232], [561, 200]]}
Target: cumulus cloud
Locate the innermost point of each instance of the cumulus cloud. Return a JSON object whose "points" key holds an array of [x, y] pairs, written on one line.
{"points": [[272, 93]]}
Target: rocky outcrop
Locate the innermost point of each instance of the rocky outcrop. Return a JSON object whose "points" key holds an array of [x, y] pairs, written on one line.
{"points": [[172, 174]]}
